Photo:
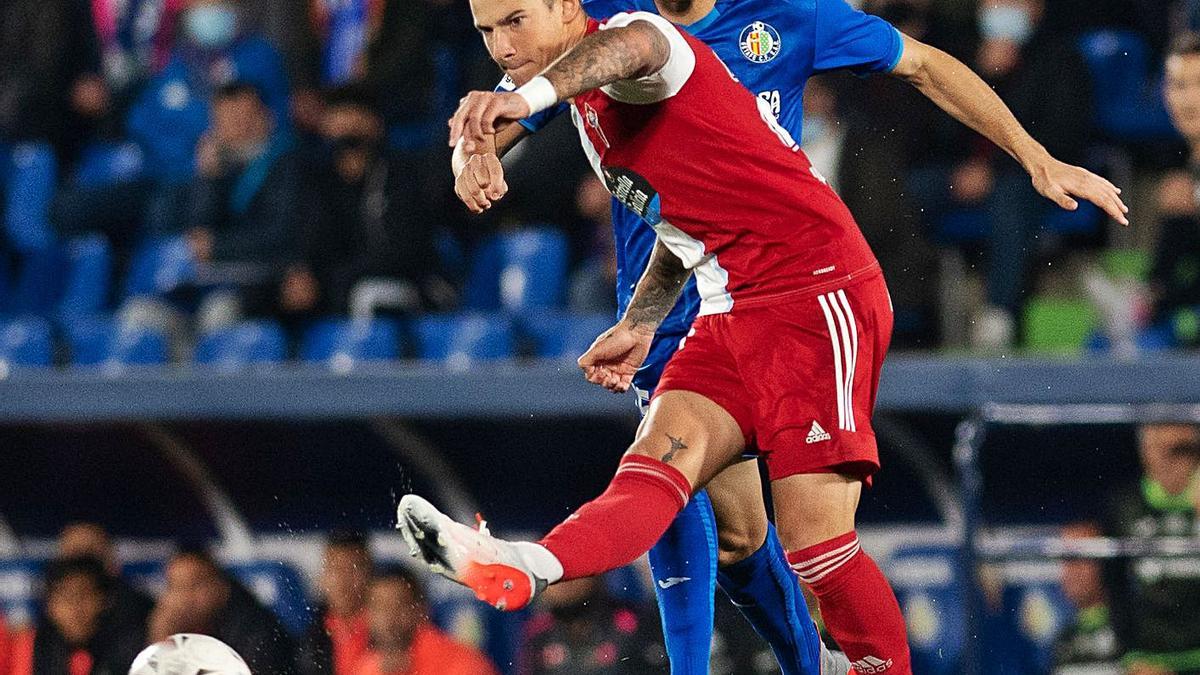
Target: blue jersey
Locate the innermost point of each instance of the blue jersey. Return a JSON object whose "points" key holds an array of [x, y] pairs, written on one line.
{"points": [[773, 47]]}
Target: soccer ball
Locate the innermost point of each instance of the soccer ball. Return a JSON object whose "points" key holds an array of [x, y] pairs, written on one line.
{"points": [[189, 654]]}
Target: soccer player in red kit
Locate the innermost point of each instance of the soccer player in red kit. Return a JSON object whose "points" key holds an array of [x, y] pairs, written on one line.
{"points": [[785, 356]]}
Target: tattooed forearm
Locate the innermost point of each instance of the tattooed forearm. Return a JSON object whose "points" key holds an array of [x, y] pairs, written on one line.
{"points": [[658, 289], [677, 444], [609, 56]]}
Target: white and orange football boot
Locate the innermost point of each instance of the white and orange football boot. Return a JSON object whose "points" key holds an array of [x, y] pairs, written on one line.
{"points": [[506, 575]]}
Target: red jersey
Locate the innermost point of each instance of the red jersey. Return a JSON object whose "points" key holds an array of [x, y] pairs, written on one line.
{"points": [[726, 188]]}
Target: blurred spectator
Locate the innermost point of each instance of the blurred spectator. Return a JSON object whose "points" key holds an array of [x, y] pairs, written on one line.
{"points": [[241, 226], [402, 638], [76, 635], [1088, 645], [885, 127], [201, 598], [412, 47], [134, 40], [347, 30], [1175, 276], [167, 120], [340, 633], [370, 245], [48, 68], [171, 115], [591, 286], [867, 141], [1155, 20], [1154, 600], [243, 209], [289, 25], [127, 603], [1040, 74], [578, 629]]}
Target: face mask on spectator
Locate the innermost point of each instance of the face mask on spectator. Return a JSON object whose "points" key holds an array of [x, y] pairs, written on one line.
{"points": [[211, 26], [1006, 22]]}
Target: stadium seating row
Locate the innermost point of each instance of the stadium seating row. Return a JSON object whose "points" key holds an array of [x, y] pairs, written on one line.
{"points": [[516, 270], [452, 339]]}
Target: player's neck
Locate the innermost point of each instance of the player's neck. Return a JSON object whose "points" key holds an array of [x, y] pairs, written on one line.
{"points": [[684, 12], [575, 33]]}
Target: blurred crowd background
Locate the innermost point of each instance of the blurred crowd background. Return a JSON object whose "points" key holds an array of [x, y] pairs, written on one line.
{"points": [[247, 183], [346, 603], [228, 181]]}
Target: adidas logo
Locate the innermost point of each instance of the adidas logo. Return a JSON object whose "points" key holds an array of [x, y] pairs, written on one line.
{"points": [[816, 435], [870, 665]]}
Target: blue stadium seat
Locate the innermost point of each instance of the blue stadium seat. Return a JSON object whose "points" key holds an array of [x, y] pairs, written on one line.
{"points": [[1129, 106], [463, 338], [342, 343], [243, 344], [108, 163], [102, 342], [159, 266], [31, 174], [20, 581], [38, 282], [1084, 220], [88, 277], [963, 226], [518, 270], [279, 587], [28, 176], [26, 342], [561, 335], [5, 283], [930, 588]]}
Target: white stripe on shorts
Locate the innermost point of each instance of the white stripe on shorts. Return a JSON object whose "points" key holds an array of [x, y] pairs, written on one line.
{"points": [[841, 295], [839, 381]]}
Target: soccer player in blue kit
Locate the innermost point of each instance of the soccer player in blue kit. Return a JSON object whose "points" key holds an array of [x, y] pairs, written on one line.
{"points": [[773, 47]]}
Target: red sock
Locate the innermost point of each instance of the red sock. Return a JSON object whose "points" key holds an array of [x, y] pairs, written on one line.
{"points": [[857, 604], [623, 523]]}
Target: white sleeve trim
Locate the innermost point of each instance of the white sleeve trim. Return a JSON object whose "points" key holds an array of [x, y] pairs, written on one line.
{"points": [[669, 79]]}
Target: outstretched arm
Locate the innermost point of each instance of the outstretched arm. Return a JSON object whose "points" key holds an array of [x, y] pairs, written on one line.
{"points": [[619, 53], [960, 92], [616, 355]]}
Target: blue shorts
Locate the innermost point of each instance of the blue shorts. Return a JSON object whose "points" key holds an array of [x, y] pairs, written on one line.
{"points": [[646, 379]]}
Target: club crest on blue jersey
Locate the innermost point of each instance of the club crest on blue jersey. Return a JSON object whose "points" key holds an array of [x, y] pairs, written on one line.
{"points": [[760, 42]]}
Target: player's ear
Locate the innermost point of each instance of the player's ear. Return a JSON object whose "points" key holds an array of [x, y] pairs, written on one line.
{"points": [[571, 9]]}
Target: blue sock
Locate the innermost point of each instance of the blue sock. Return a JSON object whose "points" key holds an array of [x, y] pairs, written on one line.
{"points": [[767, 592], [684, 566]]}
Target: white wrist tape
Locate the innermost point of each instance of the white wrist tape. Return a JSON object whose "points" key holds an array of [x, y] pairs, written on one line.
{"points": [[538, 93]]}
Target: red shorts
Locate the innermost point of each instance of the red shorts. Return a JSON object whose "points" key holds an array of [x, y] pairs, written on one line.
{"points": [[799, 373]]}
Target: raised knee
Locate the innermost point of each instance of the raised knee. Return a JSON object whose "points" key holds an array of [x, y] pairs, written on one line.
{"points": [[737, 545]]}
